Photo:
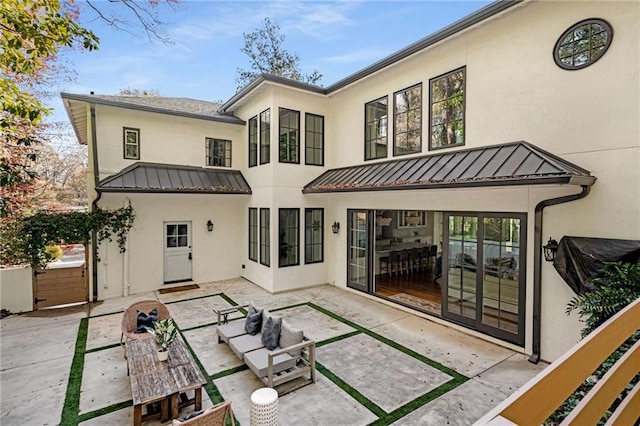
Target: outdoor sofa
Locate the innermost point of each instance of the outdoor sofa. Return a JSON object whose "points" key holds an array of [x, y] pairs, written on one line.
{"points": [[290, 360]]}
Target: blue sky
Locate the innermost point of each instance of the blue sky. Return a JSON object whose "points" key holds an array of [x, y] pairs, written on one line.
{"points": [[337, 38]]}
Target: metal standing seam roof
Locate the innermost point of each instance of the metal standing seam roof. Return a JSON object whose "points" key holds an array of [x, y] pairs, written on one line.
{"points": [[172, 179], [515, 163]]}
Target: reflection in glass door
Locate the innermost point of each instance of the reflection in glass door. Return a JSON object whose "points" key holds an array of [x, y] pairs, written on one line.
{"points": [[484, 280], [358, 263]]}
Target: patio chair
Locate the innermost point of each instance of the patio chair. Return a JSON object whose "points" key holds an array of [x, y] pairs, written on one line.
{"points": [[212, 416], [130, 320]]}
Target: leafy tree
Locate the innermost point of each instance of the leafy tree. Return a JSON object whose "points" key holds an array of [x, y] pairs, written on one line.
{"points": [[267, 55]]}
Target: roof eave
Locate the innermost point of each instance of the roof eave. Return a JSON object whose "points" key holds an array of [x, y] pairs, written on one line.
{"points": [[169, 191], [67, 107]]}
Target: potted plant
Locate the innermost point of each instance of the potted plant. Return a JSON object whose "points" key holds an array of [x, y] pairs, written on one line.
{"points": [[165, 332]]}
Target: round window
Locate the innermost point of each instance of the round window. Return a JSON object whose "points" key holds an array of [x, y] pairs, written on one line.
{"points": [[583, 44]]}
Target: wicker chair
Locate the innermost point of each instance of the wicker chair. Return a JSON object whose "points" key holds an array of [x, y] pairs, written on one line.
{"points": [[130, 319], [212, 416]]}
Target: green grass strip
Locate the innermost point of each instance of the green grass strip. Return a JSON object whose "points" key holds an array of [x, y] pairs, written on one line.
{"points": [[101, 412], [102, 348], [229, 372], [337, 338], [192, 298], [363, 400], [72, 398]]}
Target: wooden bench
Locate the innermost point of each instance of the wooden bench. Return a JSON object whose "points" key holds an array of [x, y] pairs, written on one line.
{"points": [[164, 382]]}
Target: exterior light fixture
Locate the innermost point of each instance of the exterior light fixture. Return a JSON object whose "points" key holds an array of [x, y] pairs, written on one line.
{"points": [[550, 250], [209, 226], [335, 227]]}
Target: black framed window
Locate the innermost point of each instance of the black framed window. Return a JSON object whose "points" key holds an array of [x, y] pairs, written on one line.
{"points": [[407, 114], [217, 152], [265, 136], [253, 234], [583, 44], [313, 235], [288, 139], [265, 241], [253, 141], [314, 139], [131, 143], [376, 115], [289, 237], [447, 109]]}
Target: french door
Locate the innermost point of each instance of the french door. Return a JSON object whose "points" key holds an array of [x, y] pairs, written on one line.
{"points": [[359, 256], [177, 251], [484, 274]]}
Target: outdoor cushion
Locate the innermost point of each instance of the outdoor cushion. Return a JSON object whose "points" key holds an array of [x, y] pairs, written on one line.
{"points": [[271, 333], [258, 362], [145, 321], [253, 323], [231, 330], [290, 336], [189, 417], [242, 344]]}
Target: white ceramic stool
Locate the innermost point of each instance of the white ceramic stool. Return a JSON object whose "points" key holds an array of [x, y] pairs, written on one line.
{"points": [[264, 407]]}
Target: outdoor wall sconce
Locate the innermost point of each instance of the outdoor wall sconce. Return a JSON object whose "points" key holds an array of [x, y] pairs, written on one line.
{"points": [[335, 227], [209, 226], [550, 250]]}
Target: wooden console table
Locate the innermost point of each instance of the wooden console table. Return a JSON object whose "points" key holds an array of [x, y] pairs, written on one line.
{"points": [[164, 382]]}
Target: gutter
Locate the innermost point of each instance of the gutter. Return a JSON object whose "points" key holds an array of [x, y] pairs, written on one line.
{"points": [[94, 203], [537, 264]]}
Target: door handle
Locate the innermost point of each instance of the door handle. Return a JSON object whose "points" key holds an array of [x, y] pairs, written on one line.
{"points": [[190, 256]]}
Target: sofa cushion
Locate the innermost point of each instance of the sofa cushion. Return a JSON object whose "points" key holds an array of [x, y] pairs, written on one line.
{"points": [[246, 343], [290, 336], [231, 330], [253, 323], [258, 362], [271, 333]]}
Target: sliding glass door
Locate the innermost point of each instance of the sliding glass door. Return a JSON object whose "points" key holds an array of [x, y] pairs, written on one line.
{"points": [[359, 252], [484, 276]]}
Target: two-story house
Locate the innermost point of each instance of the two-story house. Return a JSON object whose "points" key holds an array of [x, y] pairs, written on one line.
{"points": [[430, 179]]}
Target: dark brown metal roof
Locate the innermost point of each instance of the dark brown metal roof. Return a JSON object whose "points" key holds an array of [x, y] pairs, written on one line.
{"points": [[516, 163], [167, 178]]}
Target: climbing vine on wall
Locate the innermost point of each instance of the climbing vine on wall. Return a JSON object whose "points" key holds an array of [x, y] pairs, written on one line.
{"points": [[44, 228]]}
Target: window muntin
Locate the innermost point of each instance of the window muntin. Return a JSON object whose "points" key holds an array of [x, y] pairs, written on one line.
{"points": [[288, 139], [253, 234], [218, 152], [447, 109], [407, 113], [289, 237], [265, 241], [314, 139], [375, 128], [313, 235], [583, 44], [265, 136], [131, 143], [253, 141]]}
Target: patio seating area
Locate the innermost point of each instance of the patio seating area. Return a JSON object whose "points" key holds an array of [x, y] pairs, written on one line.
{"points": [[66, 366]]}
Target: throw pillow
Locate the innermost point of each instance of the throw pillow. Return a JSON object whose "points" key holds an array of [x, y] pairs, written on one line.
{"points": [[145, 322], [271, 333], [290, 336], [253, 323]]}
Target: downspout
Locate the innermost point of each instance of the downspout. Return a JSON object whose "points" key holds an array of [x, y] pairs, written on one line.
{"points": [[537, 265], [94, 203], [125, 261]]}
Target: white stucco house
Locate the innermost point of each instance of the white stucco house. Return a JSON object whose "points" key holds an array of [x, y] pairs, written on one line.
{"points": [[442, 169]]}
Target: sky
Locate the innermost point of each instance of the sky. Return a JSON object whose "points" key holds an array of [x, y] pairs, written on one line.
{"points": [[337, 38]]}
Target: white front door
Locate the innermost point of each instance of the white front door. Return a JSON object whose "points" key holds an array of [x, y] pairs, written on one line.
{"points": [[177, 251]]}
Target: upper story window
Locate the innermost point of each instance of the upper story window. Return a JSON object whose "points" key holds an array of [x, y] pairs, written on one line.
{"points": [[265, 136], [288, 139], [253, 141], [407, 112], [131, 143], [375, 129], [218, 152], [314, 139], [583, 44], [447, 109]]}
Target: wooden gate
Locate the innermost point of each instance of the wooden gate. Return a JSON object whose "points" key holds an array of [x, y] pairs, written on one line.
{"points": [[61, 286]]}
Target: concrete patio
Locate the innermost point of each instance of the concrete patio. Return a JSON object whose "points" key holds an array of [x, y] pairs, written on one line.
{"points": [[376, 364]]}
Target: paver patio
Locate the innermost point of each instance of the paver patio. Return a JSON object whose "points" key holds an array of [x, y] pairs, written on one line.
{"points": [[376, 364]]}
